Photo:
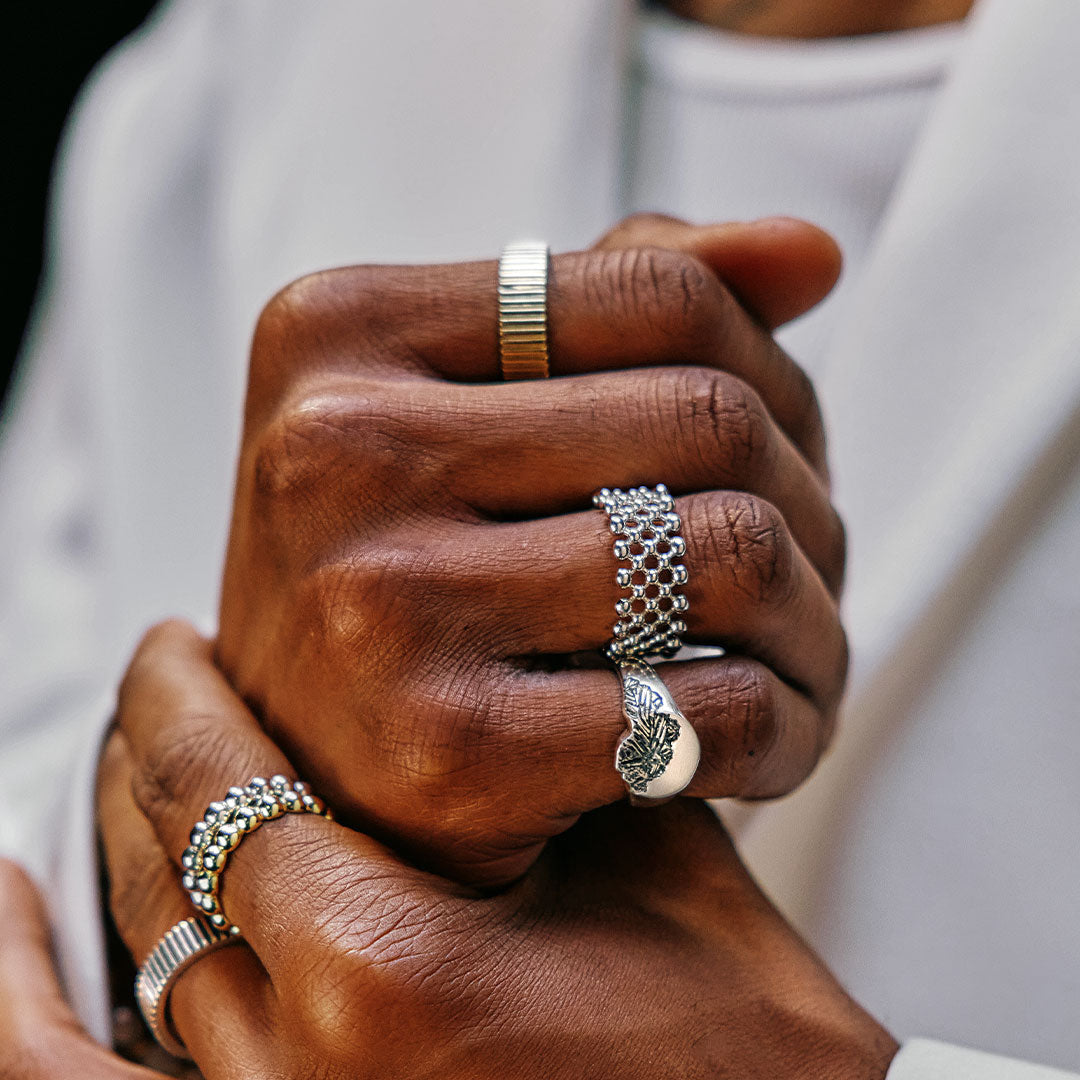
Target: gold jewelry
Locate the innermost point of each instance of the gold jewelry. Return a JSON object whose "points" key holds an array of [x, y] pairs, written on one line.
{"points": [[523, 343]]}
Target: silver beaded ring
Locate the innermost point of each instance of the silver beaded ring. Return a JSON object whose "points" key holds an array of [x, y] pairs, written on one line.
{"points": [[225, 824]]}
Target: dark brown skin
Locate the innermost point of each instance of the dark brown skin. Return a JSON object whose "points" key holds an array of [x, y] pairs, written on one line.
{"points": [[636, 945], [814, 19], [40, 1038], [361, 965], [414, 554]]}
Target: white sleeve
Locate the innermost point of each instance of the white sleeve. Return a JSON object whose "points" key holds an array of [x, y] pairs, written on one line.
{"points": [[58, 664], [94, 536], [55, 672], [921, 1059]]}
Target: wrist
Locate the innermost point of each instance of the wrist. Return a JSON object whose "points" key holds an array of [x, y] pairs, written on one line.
{"points": [[868, 1055], [801, 1020], [835, 1037]]}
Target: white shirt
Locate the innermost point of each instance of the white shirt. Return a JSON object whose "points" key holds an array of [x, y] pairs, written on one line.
{"points": [[116, 474], [733, 129]]}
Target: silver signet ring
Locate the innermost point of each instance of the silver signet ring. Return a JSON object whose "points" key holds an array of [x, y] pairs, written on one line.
{"points": [[658, 756]]}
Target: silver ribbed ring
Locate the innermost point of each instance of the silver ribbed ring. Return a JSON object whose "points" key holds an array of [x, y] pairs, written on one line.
{"points": [[178, 949], [647, 542], [523, 342]]}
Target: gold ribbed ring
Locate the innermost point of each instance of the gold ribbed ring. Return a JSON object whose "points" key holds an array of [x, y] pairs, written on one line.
{"points": [[523, 343]]}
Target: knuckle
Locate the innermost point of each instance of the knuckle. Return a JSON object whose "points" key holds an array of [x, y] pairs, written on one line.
{"points": [[736, 713], [729, 428], [762, 556], [316, 320], [166, 633], [160, 639], [749, 537], [290, 314], [641, 221], [147, 666], [352, 446], [345, 607], [451, 754], [361, 605], [669, 290], [333, 1005], [746, 708], [750, 709], [639, 227], [171, 774], [390, 962], [305, 442]]}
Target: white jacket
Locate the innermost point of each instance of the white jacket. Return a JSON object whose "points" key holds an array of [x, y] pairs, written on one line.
{"points": [[933, 859]]}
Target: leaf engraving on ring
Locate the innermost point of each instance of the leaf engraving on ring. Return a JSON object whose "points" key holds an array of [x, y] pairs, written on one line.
{"points": [[647, 751]]}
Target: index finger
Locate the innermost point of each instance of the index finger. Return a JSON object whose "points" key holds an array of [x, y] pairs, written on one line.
{"points": [[607, 309], [222, 1004]]}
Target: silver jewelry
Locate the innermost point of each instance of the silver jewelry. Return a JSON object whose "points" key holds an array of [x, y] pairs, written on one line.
{"points": [[660, 753], [225, 824], [658, 756], [523, 342], [647, 543], [180, 947]]}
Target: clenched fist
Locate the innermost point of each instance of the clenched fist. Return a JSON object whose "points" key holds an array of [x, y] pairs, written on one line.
{"points": [[414, 561]]}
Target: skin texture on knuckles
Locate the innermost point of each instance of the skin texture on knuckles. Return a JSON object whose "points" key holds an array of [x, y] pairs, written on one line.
{"points": [[357, 964], [413, 554]]}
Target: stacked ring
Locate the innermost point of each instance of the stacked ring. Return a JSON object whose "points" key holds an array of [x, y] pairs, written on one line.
{"points": [[225, 824], [659, 754]]}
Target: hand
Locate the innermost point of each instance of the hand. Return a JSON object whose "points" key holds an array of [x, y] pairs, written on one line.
{"points": [[636, 944], [40, 1038], [414, 554]]}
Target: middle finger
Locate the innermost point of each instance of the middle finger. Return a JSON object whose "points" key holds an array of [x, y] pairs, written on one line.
{"points": [[538, 450]]}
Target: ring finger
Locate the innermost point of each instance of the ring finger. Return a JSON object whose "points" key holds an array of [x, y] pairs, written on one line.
{"points": [[548, 587]]}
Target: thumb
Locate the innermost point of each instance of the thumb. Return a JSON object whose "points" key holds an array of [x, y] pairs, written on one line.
{"points": [[40, 1038], [778, 267]]}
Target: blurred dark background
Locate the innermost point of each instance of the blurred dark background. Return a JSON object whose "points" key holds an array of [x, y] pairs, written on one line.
{"points": [[48, 50]]}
